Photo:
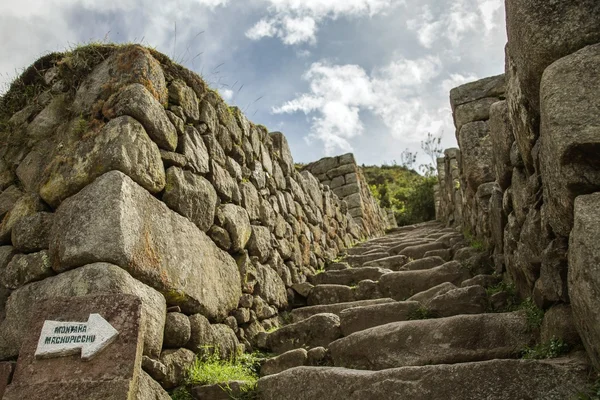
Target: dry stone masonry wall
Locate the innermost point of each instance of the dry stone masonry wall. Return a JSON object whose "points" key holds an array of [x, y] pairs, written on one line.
{"points": [[526, 179], [347, 181], [121, 172]]}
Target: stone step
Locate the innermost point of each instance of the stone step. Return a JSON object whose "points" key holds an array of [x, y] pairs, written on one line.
{"points": [[558, 379], [359, 260], [424, 263], [356, 319], [393, 263], [331, 294], [458, 339], [301, 313], [316, 331], [403, 284], [350, 276], [468, 300], [407, 243]]}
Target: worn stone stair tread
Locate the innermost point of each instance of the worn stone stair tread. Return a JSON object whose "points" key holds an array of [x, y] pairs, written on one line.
{"points": [[348, 276], [557, 379], [450, 340], [354, 319], [403, 284], [299, 314]]}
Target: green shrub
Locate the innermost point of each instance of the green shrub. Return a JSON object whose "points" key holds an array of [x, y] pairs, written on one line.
{"points": [[551, 349]]}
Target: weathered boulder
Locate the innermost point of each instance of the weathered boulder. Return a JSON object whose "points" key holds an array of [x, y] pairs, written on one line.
{"points": [[137, 102], [127, 65], [26, 268], [182, 95], [201, 334], [476, 153], [270, 286], [502, 140], [450, 340], [177, 330], [178, 362], [193, 148], [259, 244], [419, 250], [554, 29], [235, 220], [32, 233], [569, 167], [114, 220], [403, 284], [192, 196], [149, 389], [287, 360], [472, 91], [476, 110], [90, 279], [121, 144], [584, 273], [537, 380], [27, 205], [318, 330]]}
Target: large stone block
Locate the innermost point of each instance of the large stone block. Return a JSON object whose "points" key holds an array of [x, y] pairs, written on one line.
{"points": [[584, 273], [570, 133], [476, 151], [488, 87], [122, 144], [99, 278], [539, 33], [114, 220], [502, 140]]}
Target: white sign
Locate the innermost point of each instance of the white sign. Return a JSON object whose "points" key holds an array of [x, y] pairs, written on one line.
{"points": [[60, 338]]}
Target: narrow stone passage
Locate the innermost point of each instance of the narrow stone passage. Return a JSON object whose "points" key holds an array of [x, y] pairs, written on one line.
{"points": [[416, 314]]}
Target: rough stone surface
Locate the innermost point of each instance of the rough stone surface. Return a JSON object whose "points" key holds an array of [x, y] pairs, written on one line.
{"points": [[404, 284], [367, 316], [465, 300], [299, 314], [536, 380], [584, 273], [330, 294], [177, 330], [177, 363], [192, 196], [149, 389], [348, 277], [156, 245], [26, 268], [570, 133], [32, 233], [451, 340], [137, 102], [318, 330], [287, 360], [122, 144]]}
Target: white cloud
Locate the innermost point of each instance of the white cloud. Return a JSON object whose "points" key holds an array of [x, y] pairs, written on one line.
{"points": [[462, 18], [297, 21], [396, 93], [227, 94]]}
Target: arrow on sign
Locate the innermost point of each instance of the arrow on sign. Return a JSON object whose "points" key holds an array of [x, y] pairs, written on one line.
{"points": [[60, 338]]}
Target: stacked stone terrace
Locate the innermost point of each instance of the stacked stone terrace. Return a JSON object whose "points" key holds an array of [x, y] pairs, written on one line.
{"points": [[124, 173]]}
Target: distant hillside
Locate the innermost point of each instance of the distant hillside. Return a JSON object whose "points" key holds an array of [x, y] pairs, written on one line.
{"points": [[406, 192]]}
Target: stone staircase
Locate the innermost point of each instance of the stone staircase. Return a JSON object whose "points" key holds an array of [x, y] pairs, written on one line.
{"points": [[407, 316]]}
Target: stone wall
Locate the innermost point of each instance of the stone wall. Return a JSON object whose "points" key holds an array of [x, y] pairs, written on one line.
{"points": [[121, 172], [347, 181], [528, 178]]}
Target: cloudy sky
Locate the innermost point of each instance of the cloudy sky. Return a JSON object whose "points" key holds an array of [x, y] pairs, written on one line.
{"points": [[367, 76]]}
